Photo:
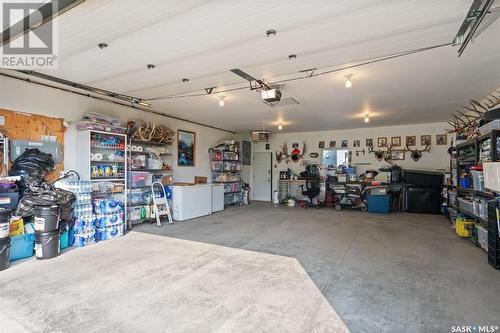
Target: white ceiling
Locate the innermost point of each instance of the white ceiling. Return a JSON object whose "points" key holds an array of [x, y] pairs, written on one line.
{"points": [[203, 40]]}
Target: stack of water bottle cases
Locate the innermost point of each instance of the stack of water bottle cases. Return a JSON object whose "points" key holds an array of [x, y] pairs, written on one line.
{"points": [[96, 219]]}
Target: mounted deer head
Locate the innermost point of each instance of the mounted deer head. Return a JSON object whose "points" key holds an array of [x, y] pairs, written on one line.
{"points": [[416, 154], [297, 154]]}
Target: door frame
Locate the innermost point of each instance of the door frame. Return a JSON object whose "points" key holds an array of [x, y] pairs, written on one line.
{"points": [[271, 174]]}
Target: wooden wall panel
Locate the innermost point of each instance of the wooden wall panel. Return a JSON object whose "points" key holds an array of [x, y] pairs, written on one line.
{"points": [[25, 126]]}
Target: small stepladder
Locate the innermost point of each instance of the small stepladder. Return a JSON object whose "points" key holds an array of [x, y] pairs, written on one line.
{"points": [[160, 204]]}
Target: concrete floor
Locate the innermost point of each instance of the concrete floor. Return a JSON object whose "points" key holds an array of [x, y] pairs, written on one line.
{"points": [[148, 283], [381, 273]]}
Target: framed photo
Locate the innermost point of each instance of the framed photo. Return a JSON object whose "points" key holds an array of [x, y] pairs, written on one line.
{"points": [[295, 145], [441, 139], [425, 140], [396, 141], [382, 142], [356, 143], [369, 142], [321, 144], [398, 154], [344, 144], [333, 144], [186, 148], [411, 140], [268, 146]]}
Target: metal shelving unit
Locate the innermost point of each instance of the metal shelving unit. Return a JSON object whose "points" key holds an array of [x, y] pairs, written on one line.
{"points": [[226, 169], [474, 152], [103, 161], [144, 206]]}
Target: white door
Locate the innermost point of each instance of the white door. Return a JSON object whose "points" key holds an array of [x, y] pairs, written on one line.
{"points": [[262, 176]]}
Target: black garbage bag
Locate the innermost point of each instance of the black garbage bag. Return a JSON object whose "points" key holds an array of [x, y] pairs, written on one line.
{"points": [[32, 163], [46, 195]]}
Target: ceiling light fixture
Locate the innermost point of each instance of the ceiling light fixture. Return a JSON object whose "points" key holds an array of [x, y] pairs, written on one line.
{"points": [[348, 82], [280, 126], [292, 57], [150, 66], [102, 45], [270, 32], [221, 101], [367, 118]]}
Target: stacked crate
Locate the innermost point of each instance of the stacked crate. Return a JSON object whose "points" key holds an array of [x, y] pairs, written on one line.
{"points": [[493, 235]]}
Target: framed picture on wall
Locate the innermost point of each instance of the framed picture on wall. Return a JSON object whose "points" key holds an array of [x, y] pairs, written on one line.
{"points": [[425, 140], [356, 143], [411, 140], [268, 146], [396, 141], [333, 144], [441, 139], [344, 144], [186, 148], [398, 154], [382, 142], [369, 142], [321, 144]]}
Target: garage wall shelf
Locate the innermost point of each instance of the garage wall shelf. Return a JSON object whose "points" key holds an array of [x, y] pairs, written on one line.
{"points": [[149, 161]]}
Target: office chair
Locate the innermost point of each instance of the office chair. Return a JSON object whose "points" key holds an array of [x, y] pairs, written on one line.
{"points": [[312, 186]]}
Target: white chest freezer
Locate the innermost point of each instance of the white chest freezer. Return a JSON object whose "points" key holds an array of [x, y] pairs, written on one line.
{"points": [[217, 197], [191, 201]]}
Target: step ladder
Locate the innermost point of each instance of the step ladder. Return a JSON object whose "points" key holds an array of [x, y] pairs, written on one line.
{"points": [[160, 204]]}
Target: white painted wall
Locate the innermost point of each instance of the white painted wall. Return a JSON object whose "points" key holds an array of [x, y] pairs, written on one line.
{"points": [[437, 159], [26, 97]]}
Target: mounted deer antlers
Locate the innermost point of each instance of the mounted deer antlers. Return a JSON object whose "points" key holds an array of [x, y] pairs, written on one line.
{"points": [[142, 131], [295, 155], [469, 121], [416, 154], [379, 154]]}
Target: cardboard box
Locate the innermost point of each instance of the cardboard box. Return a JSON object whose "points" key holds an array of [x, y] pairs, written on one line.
{"points": [[200, 180]]}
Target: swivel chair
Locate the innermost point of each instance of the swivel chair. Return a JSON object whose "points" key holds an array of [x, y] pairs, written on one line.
{"points": [[312, 191]]}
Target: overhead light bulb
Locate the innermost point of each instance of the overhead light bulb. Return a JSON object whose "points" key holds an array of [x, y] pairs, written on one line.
{"points": [[280, 127], [367, 118], [348, 82], [221, 101]]}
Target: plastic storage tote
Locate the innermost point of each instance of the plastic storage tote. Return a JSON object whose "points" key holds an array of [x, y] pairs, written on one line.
{"points": [[22, 246], [379, 203]]}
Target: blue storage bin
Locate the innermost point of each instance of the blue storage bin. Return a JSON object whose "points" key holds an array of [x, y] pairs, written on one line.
{"points": [[63, 240], [379, 203], [22, 246]]}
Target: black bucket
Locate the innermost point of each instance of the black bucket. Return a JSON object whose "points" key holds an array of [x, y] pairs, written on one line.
{"points": [[47, 244], [47, 218], [4, 222], [4, 253]]}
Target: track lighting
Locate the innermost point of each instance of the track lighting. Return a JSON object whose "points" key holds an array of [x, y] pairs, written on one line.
{"points": [[221, 101], [348, 82], [367, 118], [280, 127], [102, 45], [150, 66], [185, 80]]}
